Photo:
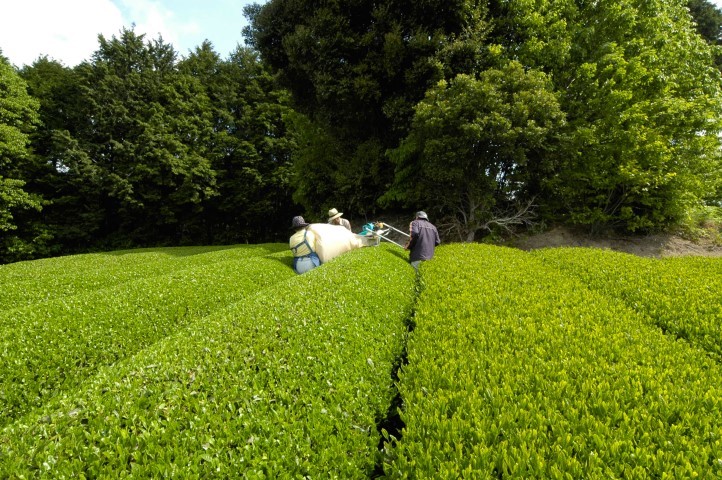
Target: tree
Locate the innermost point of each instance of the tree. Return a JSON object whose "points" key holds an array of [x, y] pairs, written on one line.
{"points": [[641, 96], [635, 81], [477, 147], [650, 139], [356, 70], [143, 143], [18, 116], [54, 170], [137, 149], [707, 19], [708, 22], [251, 148]]}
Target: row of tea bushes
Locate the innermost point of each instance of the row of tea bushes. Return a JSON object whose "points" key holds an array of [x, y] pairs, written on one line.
{"points": [[517, 370], [51, 347], [26, 283], [61, 265], [289, 383], [682, 296]]}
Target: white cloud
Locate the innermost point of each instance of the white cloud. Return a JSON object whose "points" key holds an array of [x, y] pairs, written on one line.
{"points": [[152, 18], [66, 30]]}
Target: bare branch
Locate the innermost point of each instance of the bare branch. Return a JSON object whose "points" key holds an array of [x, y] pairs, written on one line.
{"points": [[509, 218]]}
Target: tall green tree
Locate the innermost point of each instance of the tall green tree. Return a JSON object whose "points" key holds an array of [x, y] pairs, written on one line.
{"points": [[356, 69], [57, 169], [707, 19], [708, 22], [642, 99], [18, 117], [635, 81], [143, 145], [251, 147], [478, 146]]}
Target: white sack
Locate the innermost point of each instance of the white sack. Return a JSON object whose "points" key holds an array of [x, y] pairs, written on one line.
{"points": [[334, 240]]}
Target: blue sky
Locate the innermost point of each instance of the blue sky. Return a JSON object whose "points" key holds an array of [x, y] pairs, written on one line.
{"points": [[67, 30]]}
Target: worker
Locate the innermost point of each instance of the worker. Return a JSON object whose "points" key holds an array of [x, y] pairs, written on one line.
{"points": [[303, 246], [423, 239], [334, 218]]}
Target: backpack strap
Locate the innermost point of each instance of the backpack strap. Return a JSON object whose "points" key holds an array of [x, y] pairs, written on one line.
{"points": [[295, 248]]}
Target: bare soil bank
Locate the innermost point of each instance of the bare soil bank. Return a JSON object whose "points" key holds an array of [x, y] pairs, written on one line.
{"points": [[657, 246]]}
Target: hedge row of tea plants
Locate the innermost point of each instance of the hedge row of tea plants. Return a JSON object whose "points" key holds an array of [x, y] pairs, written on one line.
{"points": [[682, 296], [51, 347], [26, 283], [289, 383], [63, 264], [518, 370]]}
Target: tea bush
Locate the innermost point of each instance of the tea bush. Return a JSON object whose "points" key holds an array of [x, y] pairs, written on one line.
{"points": [[556, 364], [288, 383], [682, 296], [518, 370], [51, 347], [27, 283]]}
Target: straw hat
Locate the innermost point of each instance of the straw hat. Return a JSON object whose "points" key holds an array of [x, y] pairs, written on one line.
{"points": [[333, 214], [422, 214]]}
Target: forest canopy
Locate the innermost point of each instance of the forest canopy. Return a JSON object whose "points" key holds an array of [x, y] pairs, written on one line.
{"points": [[488, 115]]}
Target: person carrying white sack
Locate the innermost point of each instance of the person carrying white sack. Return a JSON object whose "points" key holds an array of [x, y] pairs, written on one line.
{"points": [[303, 246], [318, 243], [334, 218]]}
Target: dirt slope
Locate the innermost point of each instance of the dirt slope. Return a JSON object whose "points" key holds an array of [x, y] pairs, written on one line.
{"points": [[658, 246]]}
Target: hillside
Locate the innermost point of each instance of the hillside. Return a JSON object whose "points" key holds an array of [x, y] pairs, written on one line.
{"points": [[489, 362], [655, 246]]}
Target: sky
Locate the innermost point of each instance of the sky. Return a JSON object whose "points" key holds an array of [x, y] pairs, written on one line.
{"points": [[67, 30]]}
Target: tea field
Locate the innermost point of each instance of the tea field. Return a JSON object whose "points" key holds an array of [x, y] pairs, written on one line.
{"points": [[221, 362]]}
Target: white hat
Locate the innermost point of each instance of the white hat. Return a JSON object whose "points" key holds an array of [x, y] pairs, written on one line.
{"points": [[333, 214]]}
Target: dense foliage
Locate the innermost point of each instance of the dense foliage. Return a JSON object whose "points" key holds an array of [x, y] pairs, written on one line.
{"points": [[489, 115], [249, 148], [489, 362], [477, 146], [635, 83], [356, 70], [517, 369], [18, 116], [708, 22], [291, 381], [641, 95], [137, 148]]}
